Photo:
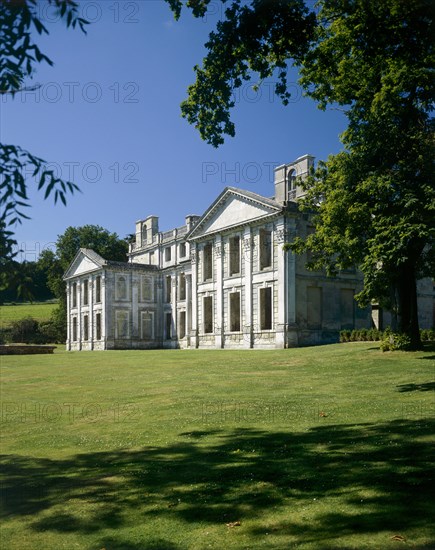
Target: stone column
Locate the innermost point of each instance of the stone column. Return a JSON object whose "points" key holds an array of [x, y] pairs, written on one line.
{"points": [[219, 328], [135, 289], [247, 326], [188, 308], [91, 295], [194, 262], [68, 316], [281, 287], [103, 311], [79, 314], [292, 335]]}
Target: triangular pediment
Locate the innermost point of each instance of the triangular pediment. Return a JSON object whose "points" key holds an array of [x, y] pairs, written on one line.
{"points": [[84, 262], [231, 209]]}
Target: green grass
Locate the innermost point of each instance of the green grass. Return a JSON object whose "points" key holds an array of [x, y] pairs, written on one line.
{"points": [[317, 448], [41, 311]]}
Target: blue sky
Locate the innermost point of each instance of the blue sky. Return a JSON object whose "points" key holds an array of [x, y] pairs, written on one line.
{"points": [[108, 115]]}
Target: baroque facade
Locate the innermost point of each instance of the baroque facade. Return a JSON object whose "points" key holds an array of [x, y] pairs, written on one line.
{"points": [[222, 280]]}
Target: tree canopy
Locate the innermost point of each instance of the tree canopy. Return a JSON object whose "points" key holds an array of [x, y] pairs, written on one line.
{"points": [[373, 203]]}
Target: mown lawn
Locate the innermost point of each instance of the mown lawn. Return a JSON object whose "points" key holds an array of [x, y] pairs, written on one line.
{"points": [[41, 311], [317, 448]]}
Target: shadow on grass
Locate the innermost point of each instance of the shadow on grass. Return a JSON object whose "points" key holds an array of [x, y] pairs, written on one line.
{"points": [[240, 474], [427, 386]]}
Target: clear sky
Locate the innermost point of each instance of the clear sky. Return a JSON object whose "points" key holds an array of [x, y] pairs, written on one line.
{"points": [[107, 115]]}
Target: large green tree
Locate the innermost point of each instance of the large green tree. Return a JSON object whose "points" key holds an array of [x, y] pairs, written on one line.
{"points": [[373, 203]]}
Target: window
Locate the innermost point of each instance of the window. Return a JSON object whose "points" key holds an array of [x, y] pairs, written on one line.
{"points": [[168, 254], [266, 308], [182, 324], [85, 327], [98, 326], [121, 328], [74, 295], [314, 306], [121, 288], [98, 289], [74, 329], [347, 309], [147, 289], [234, 255], [168, 326], [152, 257], [85, 292], [182, 287], [147, 318], [208, 262], [235, 311], [265, 249], [291, 184], [168, 289], [182, 250], [208, 314], [144, 234]]}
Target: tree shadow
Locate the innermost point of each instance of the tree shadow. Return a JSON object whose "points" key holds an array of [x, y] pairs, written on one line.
{"points": [[228, 475], [428, 386]]}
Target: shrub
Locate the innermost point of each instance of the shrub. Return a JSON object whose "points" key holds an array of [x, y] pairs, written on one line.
{"points": [[345, 335], [394, 341], [25, 330], [48, 332], [427, 334], [29, 331]]}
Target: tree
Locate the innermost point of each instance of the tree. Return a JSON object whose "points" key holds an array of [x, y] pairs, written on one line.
{"points": [[107, 244], [373, 203], [18, 59]]}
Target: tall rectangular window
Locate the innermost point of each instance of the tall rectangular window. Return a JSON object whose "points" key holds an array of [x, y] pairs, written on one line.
{"points": [[182, 324], [182, 250], [235, 311], [168, 289], [266, 308], [85, 292], [182, 287], [74, 295], [98, 326], [98, 289], [314, 306], [208, 262], [121, 288], [85, 327], [347, 308], [168, 254], [265, 249], [147, 318], [168, 326], [147, 289], [74, 329], [122, 324], [234, 255], [208, 314]]}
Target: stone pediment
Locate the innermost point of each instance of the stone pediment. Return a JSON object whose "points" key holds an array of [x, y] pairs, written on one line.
{"points": [[232, 208], [84, 262]]}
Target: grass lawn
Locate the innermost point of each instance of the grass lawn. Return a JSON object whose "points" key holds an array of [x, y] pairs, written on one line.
{"points": [[316, 448], [41, 311]]}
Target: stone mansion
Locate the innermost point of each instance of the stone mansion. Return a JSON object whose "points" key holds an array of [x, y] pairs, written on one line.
{"points": [[222, 280]]}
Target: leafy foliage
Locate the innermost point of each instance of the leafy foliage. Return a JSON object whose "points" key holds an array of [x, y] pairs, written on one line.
{"points": [[19, 56], [256, 39]]}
